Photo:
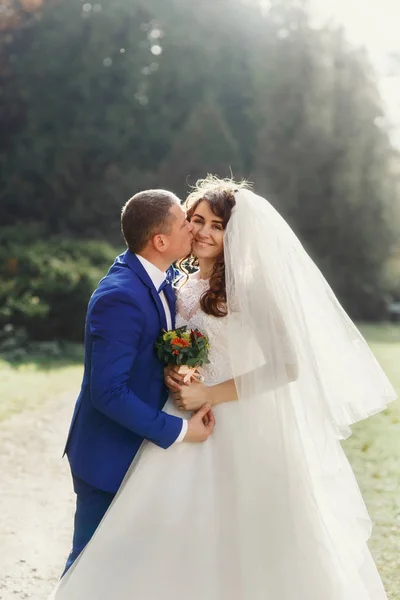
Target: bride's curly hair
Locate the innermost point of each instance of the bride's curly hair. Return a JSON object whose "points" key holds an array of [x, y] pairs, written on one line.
{"points": [[220, 195]]}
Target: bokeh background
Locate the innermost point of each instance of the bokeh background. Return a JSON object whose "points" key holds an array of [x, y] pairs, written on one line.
{"points": [[101, 99]]}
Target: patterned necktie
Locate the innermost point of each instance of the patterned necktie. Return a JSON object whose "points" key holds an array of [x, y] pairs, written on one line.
{"points": [[164, 284]]}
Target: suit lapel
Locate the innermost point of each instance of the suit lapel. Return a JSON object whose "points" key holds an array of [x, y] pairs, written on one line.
{"points": [[141, 272]]}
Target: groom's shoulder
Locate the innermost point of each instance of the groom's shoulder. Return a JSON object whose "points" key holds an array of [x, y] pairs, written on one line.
{"points": [[121, 282], [121, 274]]}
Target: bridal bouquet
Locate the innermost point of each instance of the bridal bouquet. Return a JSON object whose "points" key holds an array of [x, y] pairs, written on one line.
{"points": [[185, 347]]}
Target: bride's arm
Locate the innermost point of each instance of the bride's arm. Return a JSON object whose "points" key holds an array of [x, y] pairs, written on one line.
{"points": [[226, 391], [193, 396], [279, 367], [222, 392]]}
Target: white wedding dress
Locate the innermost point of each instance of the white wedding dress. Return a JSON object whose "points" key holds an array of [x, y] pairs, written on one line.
{"points": [[235, 518]]}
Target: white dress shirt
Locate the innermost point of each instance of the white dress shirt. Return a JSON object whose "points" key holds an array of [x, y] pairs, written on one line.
{"points": [[157, 277]]}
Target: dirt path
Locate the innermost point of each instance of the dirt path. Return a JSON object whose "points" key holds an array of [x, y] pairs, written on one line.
{"points": [[36, 500]]}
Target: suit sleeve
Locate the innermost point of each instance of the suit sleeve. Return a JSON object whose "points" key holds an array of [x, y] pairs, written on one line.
{"points": [[116, 326]]}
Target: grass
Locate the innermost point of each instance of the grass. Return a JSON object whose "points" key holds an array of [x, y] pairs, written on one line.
{"points": [[373, 449], [27, 383], [374, 452]]}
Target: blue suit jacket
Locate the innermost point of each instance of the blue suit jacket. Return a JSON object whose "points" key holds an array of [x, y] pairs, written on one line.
{"points": [[123, 390]]}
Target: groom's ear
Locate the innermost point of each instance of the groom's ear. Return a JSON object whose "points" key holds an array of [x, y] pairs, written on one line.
{"points": [[159, 242]]}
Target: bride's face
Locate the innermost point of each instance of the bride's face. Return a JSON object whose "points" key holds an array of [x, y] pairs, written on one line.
{"points": [[208, 232]]}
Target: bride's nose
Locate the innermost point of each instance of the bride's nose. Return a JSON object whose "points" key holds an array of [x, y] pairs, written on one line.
{"points": [[204, 232]]}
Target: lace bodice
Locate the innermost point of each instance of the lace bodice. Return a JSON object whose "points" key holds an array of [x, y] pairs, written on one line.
{"points": [[189, 313]]}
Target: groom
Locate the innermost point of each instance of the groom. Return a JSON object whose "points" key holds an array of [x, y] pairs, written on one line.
{"points": [[123, 391]]}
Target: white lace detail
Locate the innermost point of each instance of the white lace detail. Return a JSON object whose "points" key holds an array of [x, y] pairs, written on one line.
{"points": [[189, 313]]}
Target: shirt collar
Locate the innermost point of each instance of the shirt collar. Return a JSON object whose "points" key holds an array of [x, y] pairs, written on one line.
{"points": [[156, 276]]}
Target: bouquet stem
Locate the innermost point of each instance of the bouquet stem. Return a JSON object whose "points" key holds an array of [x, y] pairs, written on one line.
{"points": [[191, 373]]}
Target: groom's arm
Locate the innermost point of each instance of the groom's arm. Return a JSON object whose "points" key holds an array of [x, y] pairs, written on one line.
{"points": [[116, 326]]}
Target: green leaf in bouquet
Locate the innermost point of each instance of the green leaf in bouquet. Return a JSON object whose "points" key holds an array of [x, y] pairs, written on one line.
{"points": [[192, 362]]}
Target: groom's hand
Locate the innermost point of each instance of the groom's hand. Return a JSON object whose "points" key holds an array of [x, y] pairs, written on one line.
{"points": [[173, 380], [201, 425]]}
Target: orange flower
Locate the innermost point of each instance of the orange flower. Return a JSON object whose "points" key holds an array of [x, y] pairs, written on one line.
{"points": [[175, 352], [180, 342]]}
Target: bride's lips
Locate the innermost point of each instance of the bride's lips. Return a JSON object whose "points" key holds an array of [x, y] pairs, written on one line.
{"points": [[202, 243]]}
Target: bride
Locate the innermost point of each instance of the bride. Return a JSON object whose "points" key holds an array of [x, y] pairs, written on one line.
{"points": [[268, 508]]}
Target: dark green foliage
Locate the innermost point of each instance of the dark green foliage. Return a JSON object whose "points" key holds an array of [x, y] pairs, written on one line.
{"points": [[46, 283], [100, 100]]}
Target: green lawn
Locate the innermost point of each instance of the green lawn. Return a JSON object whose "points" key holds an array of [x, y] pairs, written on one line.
{"points": [[30, 382], [374, 452]]}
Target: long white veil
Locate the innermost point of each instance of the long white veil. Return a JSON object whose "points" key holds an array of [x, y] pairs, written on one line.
{"points": [[291, 324], [299, 358]]}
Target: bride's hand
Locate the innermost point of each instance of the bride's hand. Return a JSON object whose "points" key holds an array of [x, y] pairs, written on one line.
{"points": [[192, 397]]}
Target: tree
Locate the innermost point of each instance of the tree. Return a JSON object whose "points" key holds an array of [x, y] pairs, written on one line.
{"points": [[323, 159], [204, 145], [82, 114], [103, 99]]}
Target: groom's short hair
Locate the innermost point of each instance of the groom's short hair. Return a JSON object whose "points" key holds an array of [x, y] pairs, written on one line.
{"points": [[146, 214]]}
